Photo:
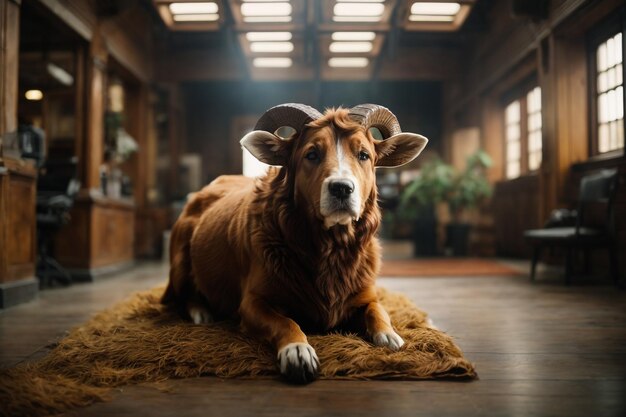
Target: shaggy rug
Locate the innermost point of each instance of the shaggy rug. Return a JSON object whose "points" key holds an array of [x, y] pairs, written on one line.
{"points": [[139, 340], [445, 267]]}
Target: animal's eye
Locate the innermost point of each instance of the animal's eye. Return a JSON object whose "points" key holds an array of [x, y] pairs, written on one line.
{"points": [[363, 156], [312, 155]]}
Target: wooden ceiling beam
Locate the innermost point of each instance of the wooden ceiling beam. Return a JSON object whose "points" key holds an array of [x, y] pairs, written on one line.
{"points": [[410, 63]]}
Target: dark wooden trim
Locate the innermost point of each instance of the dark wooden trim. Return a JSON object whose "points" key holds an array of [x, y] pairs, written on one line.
{"points": [[104, 201], [92, 274], [17, 292], [607, 160], [80, 100], [80, 19]]}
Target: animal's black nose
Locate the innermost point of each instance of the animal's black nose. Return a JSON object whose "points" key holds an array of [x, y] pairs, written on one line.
{"points": [[341, 188]]}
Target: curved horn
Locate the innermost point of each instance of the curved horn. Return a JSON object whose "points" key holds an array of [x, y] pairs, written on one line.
{"points": [[373, 115], [294, 115]]}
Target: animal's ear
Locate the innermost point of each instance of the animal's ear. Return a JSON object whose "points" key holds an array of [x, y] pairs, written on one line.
{"points": [[399, 149], [267, 147]]}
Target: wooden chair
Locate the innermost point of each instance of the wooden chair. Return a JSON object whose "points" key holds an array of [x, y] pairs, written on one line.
{"points": [[595, 190]]}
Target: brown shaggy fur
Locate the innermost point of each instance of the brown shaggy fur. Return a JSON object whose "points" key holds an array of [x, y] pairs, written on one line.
{"points": [[139, 340], [259, 251]]}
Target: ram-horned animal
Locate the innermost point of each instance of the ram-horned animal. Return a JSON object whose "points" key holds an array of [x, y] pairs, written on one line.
{"points": [[296, 250]]}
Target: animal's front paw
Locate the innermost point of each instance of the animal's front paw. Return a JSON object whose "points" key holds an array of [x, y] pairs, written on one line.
{"points": [[298, 362], [389, 339]]}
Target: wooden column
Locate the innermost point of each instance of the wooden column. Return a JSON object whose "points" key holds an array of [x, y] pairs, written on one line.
{"points": [[17, 178], [174, 117], [94, 138], [9, 50]]}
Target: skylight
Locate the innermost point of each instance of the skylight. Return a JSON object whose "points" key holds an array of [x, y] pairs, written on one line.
{"points": [[343, 62], [199, 17], [353, 36], [358, 11], [281, 62], [357, 18], [264, 47], [267, 19], [268, 36], [209, 7], [430, 18], [434, 11], [350, 47], [266, 9]]}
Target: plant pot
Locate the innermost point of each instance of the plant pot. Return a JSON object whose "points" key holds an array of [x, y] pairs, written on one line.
{"points": [[425, 233], [457, 238]]}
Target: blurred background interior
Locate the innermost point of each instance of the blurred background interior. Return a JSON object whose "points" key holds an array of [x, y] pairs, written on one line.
{"points": [[113, 111]]}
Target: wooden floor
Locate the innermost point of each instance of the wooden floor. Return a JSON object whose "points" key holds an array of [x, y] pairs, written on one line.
{"points": [[540, 349]]}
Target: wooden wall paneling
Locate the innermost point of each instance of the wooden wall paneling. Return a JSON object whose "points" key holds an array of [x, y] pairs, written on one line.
{"points": [[421, 63], [516, 207], [198, 65], [563, 78], [493, 138], [572, 129]]}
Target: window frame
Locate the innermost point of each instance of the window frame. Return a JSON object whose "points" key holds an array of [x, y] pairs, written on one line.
{"points": [[520, 93], [600, 34]]}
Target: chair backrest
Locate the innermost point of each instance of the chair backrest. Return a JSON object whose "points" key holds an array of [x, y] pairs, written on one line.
{"points": [[598, 187], [60, 177]]}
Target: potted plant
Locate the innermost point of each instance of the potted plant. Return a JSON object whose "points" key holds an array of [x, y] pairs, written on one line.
{"points": [[418, 201], [468, 189], [440, 182]]}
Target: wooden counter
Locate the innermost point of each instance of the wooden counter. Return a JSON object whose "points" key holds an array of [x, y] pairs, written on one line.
{"points": [[99, 238], [18, 232]]}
